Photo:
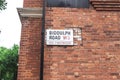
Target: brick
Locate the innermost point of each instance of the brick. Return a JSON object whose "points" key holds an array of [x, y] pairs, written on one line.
{"points": [[100, 47], [29, 57], [33, 3], [95, 57]]}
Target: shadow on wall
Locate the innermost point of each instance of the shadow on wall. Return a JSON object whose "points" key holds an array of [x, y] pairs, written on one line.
{"points": [[68, 3]]}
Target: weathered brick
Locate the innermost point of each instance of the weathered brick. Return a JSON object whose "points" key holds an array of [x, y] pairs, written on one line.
{"points": [[95, 57], [29, 57], [32, 3]]}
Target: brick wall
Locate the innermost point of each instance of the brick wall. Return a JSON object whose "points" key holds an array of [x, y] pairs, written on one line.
{"points": [[98, 56], [29, 57], [30, 45], [32, 3]]}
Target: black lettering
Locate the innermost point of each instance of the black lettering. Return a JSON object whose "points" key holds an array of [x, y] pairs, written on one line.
{"points": [[50, 32], [59, 37], [67, 33], [59, 32], [54, 37], [50, 37]]}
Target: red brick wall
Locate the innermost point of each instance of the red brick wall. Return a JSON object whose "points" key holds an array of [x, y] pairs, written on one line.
{"points": [[29, 57], [98, 56], [30, 45], [95, 58], [32, 3]]}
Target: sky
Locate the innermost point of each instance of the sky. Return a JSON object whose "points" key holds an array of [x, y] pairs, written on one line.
{"points": [[10, 24]]}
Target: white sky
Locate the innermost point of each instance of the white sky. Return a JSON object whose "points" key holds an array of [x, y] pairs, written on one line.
{"points": [[10, 24]]}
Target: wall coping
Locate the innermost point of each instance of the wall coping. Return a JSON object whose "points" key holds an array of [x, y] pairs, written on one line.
{"points": [[30, 12]]}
